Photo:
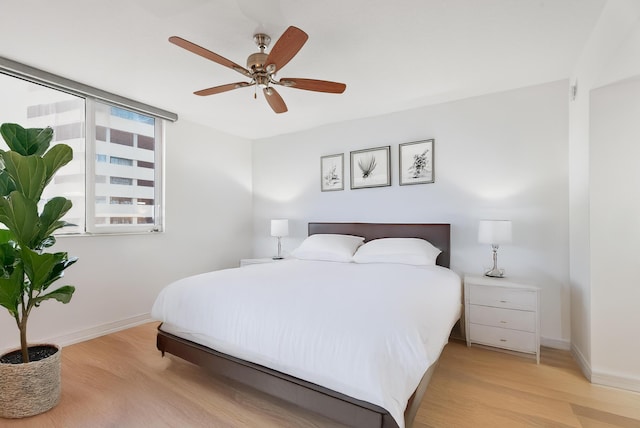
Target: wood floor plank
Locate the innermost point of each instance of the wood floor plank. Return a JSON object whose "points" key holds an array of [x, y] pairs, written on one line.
{"points": [[120, 380], [604, 417]]}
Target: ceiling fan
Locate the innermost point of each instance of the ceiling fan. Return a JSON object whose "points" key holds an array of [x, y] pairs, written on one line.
{"points": [[262, 67]]}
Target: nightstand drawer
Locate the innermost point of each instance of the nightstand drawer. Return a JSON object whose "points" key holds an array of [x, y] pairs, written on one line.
{"points": [[501, 297], [504, 318], [515, 340]]}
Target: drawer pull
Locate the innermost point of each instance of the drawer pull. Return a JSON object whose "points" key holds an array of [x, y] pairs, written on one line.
{"points": [[503, 322], [503, 301], [503, 340]]}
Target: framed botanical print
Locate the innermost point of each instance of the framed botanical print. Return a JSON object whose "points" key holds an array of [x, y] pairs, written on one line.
{"points": [[370, 168], [416, 162], [332, 172]]}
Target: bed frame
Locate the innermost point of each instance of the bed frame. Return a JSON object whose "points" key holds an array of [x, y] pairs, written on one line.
{"points": [[337, 406]]}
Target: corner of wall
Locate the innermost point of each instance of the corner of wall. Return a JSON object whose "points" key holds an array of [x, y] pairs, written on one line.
{"points": [[583, 363], [562, 344]]}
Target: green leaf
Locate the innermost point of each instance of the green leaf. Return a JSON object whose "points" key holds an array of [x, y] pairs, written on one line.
{"points": [[27, 142], [6, 183], [58, 270], [56, 158], [52, 212], [7, 259], [7, 254], [29, 173], [43, 269], [11, 289], [47, 242], [39, 267], [6, 236], [20, 215], [62, 294]]}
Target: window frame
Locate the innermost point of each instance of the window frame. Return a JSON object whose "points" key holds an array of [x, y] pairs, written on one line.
{"points": [[93, 228], [91, 96]]}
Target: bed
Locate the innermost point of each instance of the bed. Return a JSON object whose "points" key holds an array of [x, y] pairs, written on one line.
{"points": [[351, 405]]}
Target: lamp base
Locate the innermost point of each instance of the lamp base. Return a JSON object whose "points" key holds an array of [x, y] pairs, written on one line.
{"points": [[495, 273], [277, 258]]}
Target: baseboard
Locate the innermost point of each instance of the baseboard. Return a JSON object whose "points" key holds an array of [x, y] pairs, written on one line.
{"points": [[584, 365], [100, 330], [565, 345], [616, 381]]}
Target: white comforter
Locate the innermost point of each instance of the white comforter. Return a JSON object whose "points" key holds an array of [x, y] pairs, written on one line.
{"points": [[369, 331]]}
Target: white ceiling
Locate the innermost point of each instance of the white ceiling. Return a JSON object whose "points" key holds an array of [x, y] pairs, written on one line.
{"points": [[393, 55]]}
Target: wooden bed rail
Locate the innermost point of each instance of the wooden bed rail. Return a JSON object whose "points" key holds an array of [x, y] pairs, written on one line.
{"points": [[339, 407]]}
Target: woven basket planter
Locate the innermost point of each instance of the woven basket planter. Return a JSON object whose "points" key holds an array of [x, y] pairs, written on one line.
{"points": [[30, 389]]}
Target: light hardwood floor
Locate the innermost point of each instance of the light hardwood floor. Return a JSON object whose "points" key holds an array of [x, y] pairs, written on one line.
{"points": [[120, 380]]}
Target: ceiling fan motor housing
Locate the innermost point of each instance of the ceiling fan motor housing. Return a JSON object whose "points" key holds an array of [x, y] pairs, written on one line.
{"points": [[256, 61]]}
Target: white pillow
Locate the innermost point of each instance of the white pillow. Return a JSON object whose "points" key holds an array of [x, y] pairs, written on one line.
{"points": [[408, 251], [328, 247]]}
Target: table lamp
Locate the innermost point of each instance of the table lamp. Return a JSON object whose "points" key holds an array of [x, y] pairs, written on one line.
{"points": [[494, 232], [279, 228]]}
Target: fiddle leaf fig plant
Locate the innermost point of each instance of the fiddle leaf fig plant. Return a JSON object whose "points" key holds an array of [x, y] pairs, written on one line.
{"points": [[27, 272]]}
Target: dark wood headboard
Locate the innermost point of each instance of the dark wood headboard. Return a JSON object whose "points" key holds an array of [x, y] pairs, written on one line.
{"points": [[439, 234]]}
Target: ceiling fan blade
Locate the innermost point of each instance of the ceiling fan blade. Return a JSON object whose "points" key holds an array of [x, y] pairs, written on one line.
{"points": [[275, 100], [314, 85], [205, 53], [221, 88], [286, 47]]}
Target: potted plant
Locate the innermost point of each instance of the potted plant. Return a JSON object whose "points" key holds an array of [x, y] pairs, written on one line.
{"points": [[30, 376]]}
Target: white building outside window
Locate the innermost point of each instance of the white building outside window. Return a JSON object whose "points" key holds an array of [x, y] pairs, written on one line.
{"points": [[115, 178]]}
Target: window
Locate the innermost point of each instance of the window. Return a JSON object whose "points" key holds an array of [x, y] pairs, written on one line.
{"points": [[116, 200], [129, 176], [146, 142], [112, 181], [143, 164], [121, 220], [120, 161], [121, 137], [121, 180]]}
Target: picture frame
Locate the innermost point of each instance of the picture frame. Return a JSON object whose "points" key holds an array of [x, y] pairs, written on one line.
{"points": [[332, 172], [371, 168], [416, 162]]}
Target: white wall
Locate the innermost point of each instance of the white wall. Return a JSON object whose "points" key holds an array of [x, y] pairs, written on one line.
{"points": [[610, 54], [615, 233], [208, 226], [615, 209], [502, 155]]}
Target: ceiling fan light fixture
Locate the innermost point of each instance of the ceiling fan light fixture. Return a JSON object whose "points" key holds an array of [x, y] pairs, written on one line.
{"points": [[262, 80]]}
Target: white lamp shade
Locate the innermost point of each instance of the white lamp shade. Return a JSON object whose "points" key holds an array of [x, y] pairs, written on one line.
{"points": [[494, 231], [279, 227]]}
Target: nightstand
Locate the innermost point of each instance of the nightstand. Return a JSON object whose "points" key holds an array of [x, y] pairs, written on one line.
{"points": [[247, 262], [502, 313]]}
